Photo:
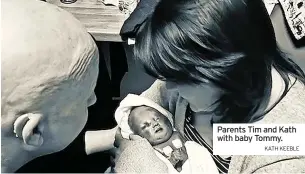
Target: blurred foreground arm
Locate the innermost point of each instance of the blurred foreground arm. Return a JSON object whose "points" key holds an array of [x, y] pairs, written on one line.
{"points": [[100, 140]]}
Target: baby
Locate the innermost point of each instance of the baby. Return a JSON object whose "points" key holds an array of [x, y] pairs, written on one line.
{"points": [[150, 124], [141, 116]]}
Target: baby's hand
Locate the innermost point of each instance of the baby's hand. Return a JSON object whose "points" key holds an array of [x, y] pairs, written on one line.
{"points": [[177, 158], [178, 155], [174, 150]]}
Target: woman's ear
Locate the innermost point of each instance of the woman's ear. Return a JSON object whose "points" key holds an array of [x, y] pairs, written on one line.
{"points": [[29, 127]]}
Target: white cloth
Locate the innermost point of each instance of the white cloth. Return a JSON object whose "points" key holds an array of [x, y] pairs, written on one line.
{"points": [[131, 100], [294, 12], [269, 4], [199, 160]]}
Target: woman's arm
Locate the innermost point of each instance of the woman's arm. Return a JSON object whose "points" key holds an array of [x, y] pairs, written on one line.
{"points": [[140, 157], [100, 140], [267, 164], [136, 156], [293, 165]]}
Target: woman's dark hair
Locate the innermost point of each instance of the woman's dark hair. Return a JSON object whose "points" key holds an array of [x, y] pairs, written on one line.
{"points": [[230, 43]]}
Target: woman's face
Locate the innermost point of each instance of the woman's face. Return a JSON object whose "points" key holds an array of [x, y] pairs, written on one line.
{"points": [[200, 97]]}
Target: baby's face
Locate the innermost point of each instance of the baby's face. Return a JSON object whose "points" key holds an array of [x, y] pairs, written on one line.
{"points": [[150, 124]]}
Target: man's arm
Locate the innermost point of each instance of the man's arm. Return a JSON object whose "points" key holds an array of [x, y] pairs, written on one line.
{"points": [[100, 140]]}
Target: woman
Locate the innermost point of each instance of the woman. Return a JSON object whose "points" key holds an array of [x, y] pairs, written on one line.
{"points": [[218, 62]]}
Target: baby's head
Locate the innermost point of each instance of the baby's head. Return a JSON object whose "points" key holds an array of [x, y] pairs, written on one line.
{"points": [[149, 123]]}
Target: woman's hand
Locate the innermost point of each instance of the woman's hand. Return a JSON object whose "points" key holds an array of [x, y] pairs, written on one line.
{"points": [[121, 144], [135, 156]]}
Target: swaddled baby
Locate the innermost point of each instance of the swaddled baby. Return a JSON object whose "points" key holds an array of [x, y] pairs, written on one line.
{"points": [[150, 124], [141, 116]]}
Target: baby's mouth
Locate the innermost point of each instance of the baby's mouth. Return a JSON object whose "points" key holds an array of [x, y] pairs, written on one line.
{"points": [[159, 129]]}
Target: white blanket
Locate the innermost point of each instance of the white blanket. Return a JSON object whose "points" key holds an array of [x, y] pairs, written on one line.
{"points": [[199, 159]]}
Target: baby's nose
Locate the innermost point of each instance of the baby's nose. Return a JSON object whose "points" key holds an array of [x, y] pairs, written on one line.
{"points": [[155, 123]]}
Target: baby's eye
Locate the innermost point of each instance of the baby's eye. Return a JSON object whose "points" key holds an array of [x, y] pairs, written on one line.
{"points": [[145, 125], [157, 119]]}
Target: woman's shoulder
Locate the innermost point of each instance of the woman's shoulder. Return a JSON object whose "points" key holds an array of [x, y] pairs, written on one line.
{"points": [[159, 93], [291, 108]]}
